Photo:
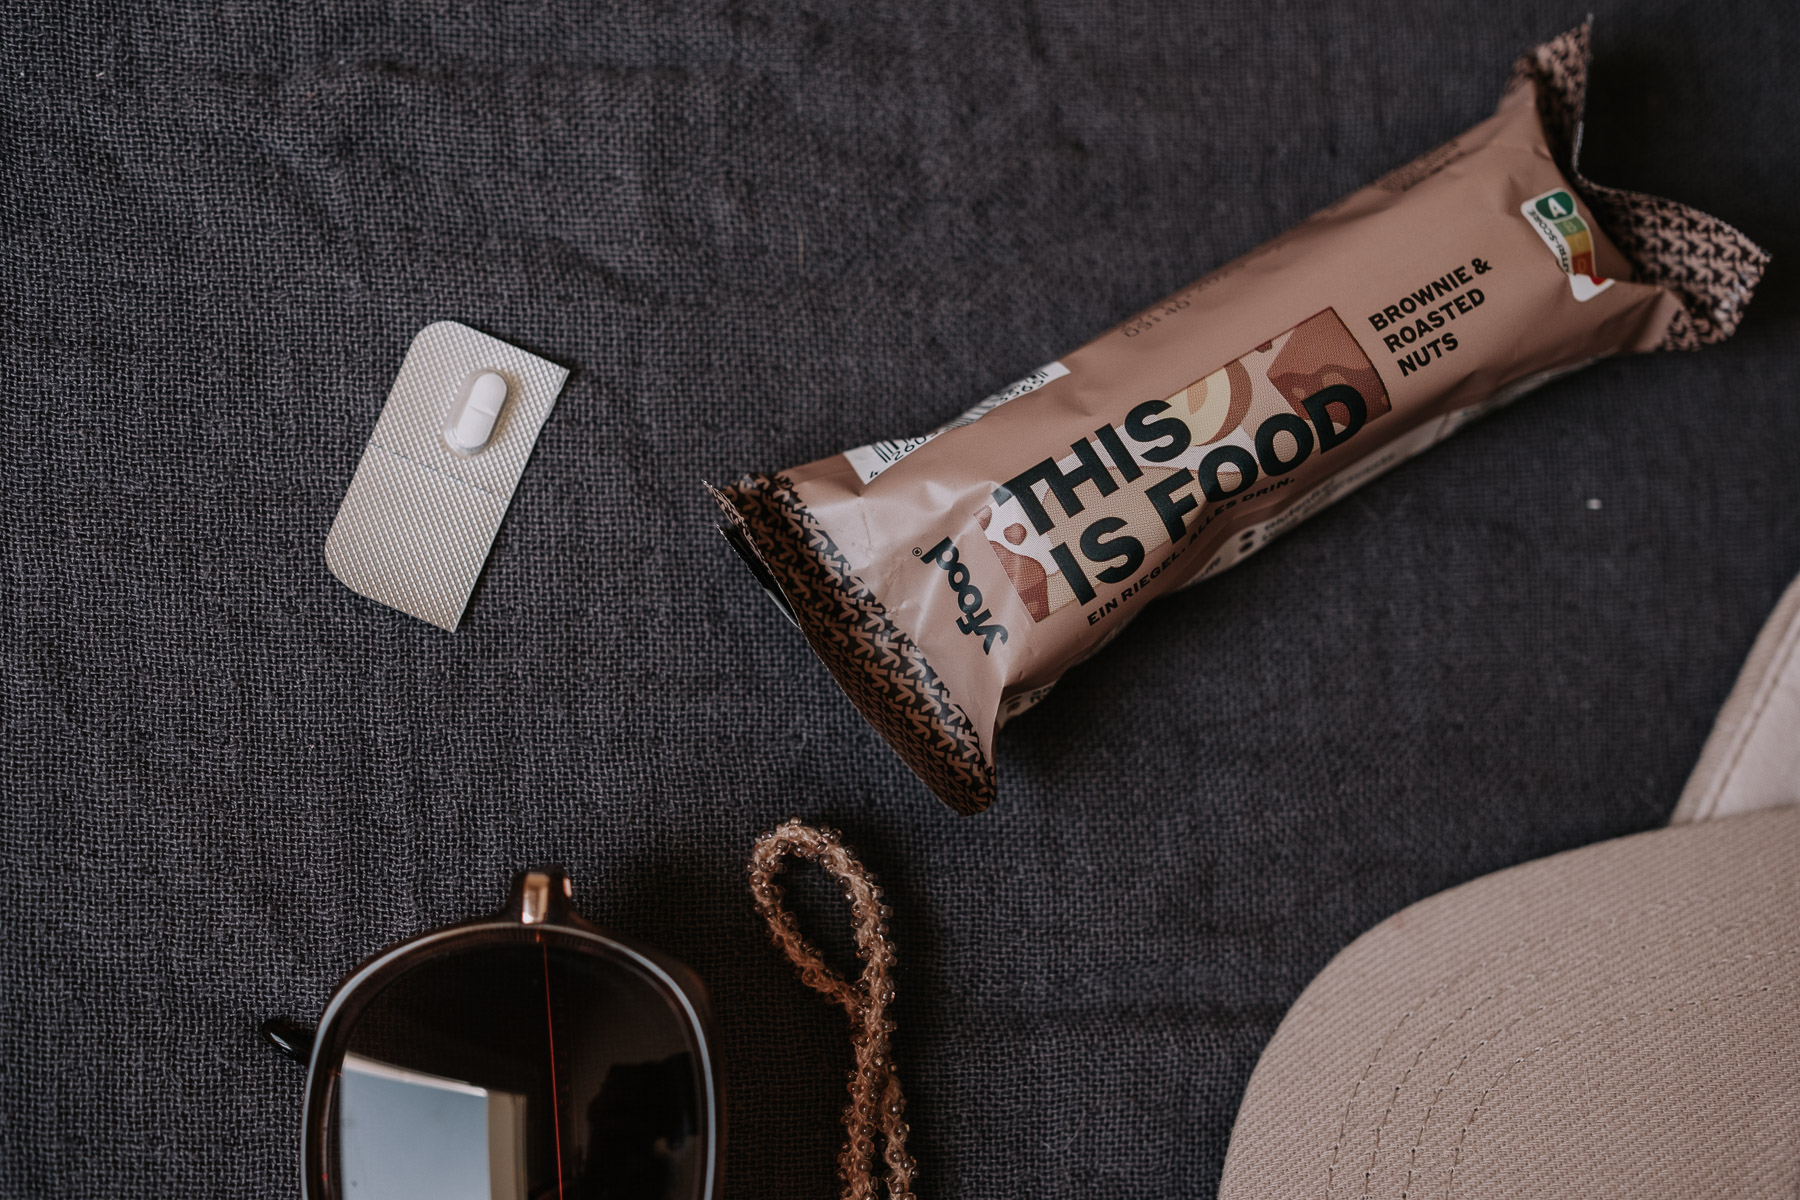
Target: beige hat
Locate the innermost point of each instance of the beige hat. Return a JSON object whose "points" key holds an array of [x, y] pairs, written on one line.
{"points": [[1620, 1020]]}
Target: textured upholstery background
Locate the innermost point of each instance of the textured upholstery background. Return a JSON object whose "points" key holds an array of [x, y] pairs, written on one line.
{"points": [[759, 232]]}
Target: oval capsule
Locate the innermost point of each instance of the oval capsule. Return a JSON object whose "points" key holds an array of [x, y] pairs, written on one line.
{"points": [[473, 424]]}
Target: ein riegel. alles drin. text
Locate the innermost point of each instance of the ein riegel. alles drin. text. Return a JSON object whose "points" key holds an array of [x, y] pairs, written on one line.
{"points": [[1418, 319]]}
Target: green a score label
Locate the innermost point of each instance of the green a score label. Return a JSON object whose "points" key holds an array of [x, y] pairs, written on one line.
{"points": [[1558, 221]]}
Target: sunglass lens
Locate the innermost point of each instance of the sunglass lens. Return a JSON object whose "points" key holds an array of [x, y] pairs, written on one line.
{"points": [[521, 1072]]}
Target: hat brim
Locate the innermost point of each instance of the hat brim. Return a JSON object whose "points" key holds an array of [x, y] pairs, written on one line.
{"points": [[1620, 1020]]}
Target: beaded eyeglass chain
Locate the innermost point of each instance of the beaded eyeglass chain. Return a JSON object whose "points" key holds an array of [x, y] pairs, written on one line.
{"points": [[876, 1103]]}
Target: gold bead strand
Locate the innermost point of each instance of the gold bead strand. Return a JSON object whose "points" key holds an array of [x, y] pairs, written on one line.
{"points": [[876, 1101]]}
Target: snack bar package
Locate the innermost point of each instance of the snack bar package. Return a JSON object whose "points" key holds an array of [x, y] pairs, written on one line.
{"points": [[948, 580]]}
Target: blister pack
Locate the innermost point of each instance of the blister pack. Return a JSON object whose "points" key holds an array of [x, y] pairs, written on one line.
{"points": [[439, 471]]}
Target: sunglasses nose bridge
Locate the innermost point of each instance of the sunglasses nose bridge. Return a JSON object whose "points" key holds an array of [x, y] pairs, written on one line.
{"points": [[540, 895]]}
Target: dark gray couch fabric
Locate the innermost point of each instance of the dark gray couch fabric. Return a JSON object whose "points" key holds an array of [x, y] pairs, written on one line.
{"points": [[759, 232]]}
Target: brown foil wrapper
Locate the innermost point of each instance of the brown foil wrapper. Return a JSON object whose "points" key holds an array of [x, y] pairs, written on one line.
{"points": [[948, 581]]}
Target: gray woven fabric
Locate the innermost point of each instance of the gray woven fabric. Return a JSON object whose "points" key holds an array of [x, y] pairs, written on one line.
{"points": [[759, 232]]}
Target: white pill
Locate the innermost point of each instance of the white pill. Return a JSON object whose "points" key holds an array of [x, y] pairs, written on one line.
{"points": [[475, 423]]}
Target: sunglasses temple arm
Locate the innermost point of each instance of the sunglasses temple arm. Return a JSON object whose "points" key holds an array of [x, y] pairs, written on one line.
{"points": [[291, 1038]]}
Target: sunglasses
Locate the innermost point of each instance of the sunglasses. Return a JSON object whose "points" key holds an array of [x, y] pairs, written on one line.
{"points": [[526, 1055]]}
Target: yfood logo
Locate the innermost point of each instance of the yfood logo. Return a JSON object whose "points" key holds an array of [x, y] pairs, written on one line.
{"points": [[975, 618]]}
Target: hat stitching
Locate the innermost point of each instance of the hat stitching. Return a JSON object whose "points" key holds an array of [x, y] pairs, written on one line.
{"points": [[1570, 1035], [1375, 1152], [1495, 1034], [1449, 981], [1394, 1096]]}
